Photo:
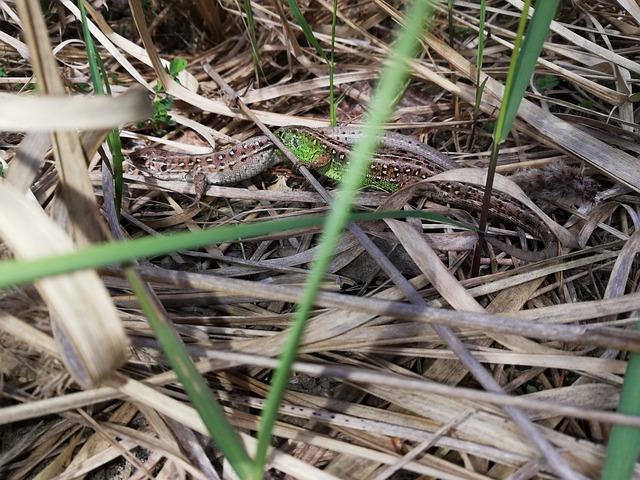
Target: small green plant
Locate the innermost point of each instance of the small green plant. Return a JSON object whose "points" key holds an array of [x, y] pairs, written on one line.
{"points": [[113, 78], [177, 66], [162, 118], [587, 104], [162, 103], [83, 87], [546, 82], [489, 126], [28, 87]]}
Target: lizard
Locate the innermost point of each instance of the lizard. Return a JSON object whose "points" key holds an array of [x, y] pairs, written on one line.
{"points": [[402, 161]]}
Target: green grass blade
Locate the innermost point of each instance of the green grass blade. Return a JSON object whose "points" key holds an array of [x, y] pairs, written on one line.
{"points": [[212, 415], [479, 62], [252, 36], [306, 29], [92, 54], [332, 103], [16, 272], [100, 82], [624, 442], [479, 57], [308, 33], [391, 80], [523, 63]]}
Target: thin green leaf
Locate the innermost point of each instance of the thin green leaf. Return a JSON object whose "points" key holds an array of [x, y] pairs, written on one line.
{"points": [[624, 442], [523, 64], [252, 36], [332, 104], [100, 81], [523, 61], [210, 411], [16, 272], [391, 81], [306, 29]]}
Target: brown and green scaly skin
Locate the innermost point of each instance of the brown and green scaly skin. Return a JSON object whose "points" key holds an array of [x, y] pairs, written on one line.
{"points": [[401, 161], [231, 165], [390, 169], [394, 167]]}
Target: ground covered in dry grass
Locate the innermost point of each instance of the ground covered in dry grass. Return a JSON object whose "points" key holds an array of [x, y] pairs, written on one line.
{"points": [[374, 382]]}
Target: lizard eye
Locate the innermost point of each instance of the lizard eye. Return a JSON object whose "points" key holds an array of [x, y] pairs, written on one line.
{"points": [[296, 143]]}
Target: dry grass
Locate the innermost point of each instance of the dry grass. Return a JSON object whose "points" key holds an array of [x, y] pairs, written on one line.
{"points": [[546, 344]]}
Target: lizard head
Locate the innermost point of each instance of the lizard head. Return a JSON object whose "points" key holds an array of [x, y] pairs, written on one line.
{"points": [[305, 147], [153, 161]]}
